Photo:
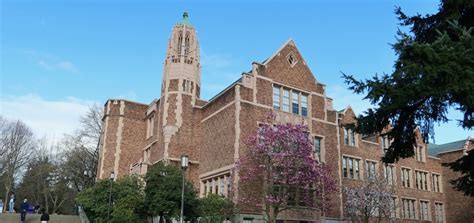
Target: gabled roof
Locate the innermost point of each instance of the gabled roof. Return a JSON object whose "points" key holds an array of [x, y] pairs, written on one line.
{"points": [[288, 42], [434, 149]]}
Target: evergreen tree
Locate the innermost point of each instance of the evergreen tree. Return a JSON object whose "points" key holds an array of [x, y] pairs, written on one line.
{"points": [[163, 193], [434, 72]]}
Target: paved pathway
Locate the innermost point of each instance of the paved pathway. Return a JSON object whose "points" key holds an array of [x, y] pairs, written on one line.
{"points": [[35, 218]]}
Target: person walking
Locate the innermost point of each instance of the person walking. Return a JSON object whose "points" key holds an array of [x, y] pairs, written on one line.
{"points": [[1, 205], [24, 209], [44, 216], [12, 203]]}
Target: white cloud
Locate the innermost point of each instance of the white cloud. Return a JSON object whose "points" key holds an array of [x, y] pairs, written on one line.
{"points": [[57, 66], [51, 62], [48, 118]]}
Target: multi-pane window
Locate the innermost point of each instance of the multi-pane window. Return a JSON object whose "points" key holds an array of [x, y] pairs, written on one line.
{"points": [[216, 185], [408, 208], [389, 174], [276, 97], [295, 103], [350, 167], [436, 179], [421, 180], [385, 143], [304, 105], [393, 207], [188, 86], [282, 97], [317, 147], [439, 212], [424, 210], [420, 153], [405, 175], [370, 169], [286, 100], [349, 137]]}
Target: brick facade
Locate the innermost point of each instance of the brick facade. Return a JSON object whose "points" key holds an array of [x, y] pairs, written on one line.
{"points": [[212, 133]]}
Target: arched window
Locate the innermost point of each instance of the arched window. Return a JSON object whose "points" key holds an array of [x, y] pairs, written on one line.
{"points": [[186, 44], [180, 42]]}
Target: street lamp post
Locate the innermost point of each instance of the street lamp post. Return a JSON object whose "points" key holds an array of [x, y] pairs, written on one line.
{"points": [[184, 165], [112, 177]]}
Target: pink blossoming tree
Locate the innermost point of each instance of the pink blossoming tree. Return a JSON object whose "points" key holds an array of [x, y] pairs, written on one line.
{"points": [[372, 200], [280, 172]]}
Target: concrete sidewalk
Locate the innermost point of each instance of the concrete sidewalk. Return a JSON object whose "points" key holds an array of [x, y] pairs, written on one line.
{"points": [[35, 218]]}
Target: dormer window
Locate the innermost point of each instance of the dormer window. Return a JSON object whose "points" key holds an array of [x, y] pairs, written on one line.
{"points": [[291, 59]]}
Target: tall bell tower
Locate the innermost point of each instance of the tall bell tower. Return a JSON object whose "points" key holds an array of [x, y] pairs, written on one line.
{"points": [[180, 89], [182, 61]]}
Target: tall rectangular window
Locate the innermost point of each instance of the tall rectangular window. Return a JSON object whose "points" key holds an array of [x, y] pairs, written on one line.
{"points": [[408, 208], [304, 105], [420, 153], [344, 166], [295, 103], [385, 143], [351, 167], [150, 126], [357, 172], [349, 137], [370, 169], [286, 100], [346, 136], [421, 180], [351, 170], [389, 173], [276, 97], [405, 175], [393, 207], [436, 179], [424, 210], [317, 148], [439, 212]]}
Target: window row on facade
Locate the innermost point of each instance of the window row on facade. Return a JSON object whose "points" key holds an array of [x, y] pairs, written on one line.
{"points": [[421, 210], [350, 138], [352, 169], [290, 100], [216, 185]]}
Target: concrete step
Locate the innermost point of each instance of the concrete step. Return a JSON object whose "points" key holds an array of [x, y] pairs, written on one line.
{"points": [[35, 218]]}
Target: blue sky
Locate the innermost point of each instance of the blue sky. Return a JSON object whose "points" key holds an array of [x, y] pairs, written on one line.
{"points": [[58, 57]]}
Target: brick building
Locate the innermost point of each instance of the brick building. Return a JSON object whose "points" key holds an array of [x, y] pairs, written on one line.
{"points": [[212, 132]]}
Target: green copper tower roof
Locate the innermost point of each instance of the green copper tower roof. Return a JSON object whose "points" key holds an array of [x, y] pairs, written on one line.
{"points": [[185, 20]]}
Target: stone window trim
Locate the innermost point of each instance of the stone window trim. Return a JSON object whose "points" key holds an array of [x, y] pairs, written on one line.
{"points": [[361, 172], [150, 125], [439, 204], [323, 146], [436, 178], [422, 212], [281, 105], [396, 206], [376, 166], [426, 183], [410, 177], [392, 180], [412, 214], [350, 138], [219, 183], [291, 59], [420, 153]]}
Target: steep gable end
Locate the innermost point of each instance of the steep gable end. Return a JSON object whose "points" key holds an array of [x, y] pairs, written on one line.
{"points": [[287, 65]]}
